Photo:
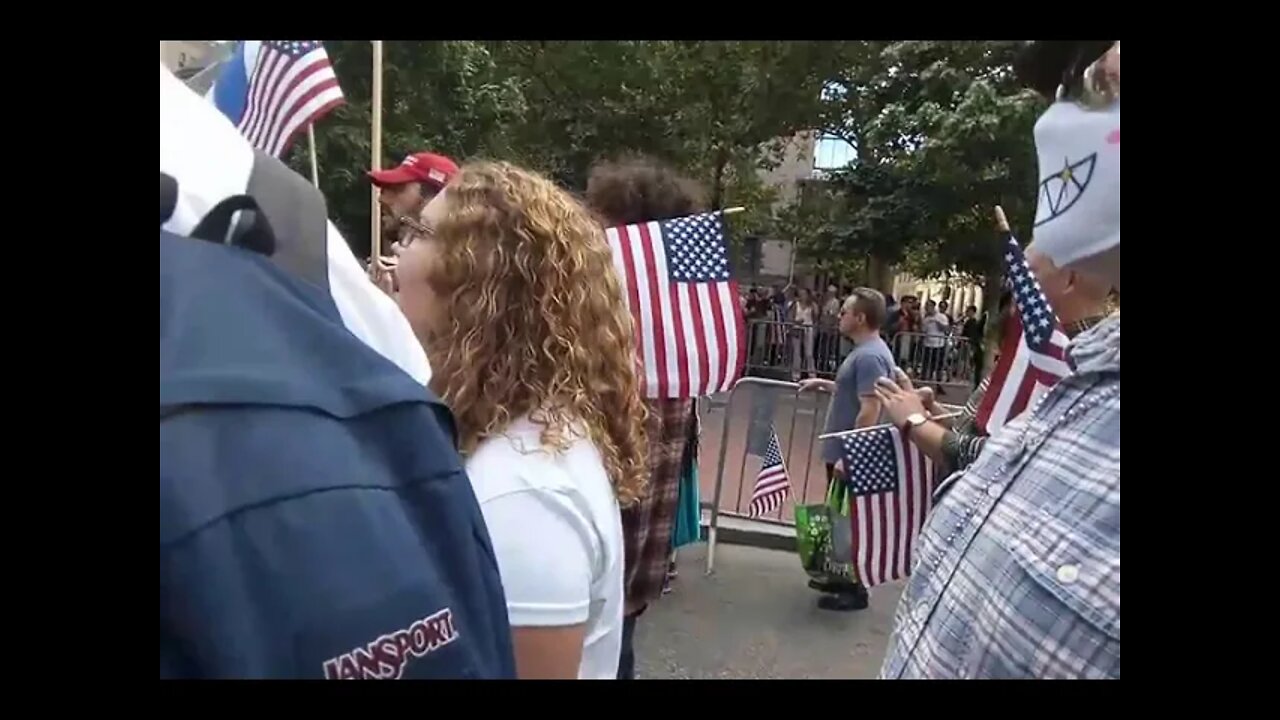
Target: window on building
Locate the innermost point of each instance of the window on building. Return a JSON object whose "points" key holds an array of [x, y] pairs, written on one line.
{"points": [[832, 153]]}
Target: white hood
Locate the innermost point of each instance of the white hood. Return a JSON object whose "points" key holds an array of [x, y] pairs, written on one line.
{"points": [[204, 152]]}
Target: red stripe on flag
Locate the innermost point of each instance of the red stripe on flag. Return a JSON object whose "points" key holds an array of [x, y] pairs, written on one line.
{"points": [[283, 134], [655, 300], [265, 88], [633, 294], [279, 122], [256, 82], [999, 375], [717, 315], [734, 371]]}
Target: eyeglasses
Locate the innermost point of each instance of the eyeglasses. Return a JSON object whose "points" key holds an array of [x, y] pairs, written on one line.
{"points": [[1097, 85], [417, 230]]}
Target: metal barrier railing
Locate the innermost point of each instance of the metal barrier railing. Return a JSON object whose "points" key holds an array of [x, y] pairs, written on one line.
{"points": [[794, 350], [937, 359], [799, 449], [798, 418]]}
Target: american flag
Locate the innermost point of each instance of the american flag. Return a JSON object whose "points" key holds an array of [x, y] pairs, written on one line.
{"points": [[1033, 352], [272, 89], [684, 304], [772, 484], [890, 488]]}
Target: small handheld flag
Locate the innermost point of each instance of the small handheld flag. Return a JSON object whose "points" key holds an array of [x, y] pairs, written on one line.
{"points": [[890, 487], [772, 484], [1033, 352], [272, 89]]}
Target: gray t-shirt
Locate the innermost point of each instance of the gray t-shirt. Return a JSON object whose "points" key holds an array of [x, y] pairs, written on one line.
{"points": [[869, 361]]}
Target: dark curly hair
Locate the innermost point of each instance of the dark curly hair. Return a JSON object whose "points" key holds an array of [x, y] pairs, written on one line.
{"points": [[636, 189]]}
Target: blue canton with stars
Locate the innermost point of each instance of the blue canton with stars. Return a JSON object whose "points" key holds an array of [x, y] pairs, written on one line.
{"points": [[773, 454], [293, 48], [1038, 320], [871, 461], [695, 248]]}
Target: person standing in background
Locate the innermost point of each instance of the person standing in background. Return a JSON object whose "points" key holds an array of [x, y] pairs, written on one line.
{"points": [[403, 191], [635, 190], [973, 331], [828, 350], [803, 314], [853, 405], [936, 327]]}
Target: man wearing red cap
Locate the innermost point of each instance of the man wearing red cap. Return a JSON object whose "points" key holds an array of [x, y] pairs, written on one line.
{"points": [[407, 188]]}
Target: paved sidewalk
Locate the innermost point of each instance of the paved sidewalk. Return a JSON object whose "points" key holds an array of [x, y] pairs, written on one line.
{"points": [[755, 618]]}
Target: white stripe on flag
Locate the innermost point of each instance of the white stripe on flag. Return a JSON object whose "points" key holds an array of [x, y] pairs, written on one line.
{"points": [[708, 305], [697, 363], [634, 248], [672, 380], [730, 350]]}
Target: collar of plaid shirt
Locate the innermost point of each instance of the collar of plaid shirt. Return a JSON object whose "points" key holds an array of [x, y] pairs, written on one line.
{"points": [[1017, 571]]}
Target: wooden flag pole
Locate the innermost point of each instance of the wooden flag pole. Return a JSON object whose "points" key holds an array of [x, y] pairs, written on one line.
{"points": [[733, 210], [315, 164], [375, 163]]}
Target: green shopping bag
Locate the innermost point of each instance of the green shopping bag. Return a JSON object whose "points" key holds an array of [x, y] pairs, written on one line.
{"points": [[824, 536]]}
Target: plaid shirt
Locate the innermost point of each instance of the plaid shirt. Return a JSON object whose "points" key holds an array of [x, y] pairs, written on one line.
{"points": [[647, 525], [1018, 568]]}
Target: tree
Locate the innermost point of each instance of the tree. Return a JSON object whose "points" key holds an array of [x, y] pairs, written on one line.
{"points": [[942, 134]]}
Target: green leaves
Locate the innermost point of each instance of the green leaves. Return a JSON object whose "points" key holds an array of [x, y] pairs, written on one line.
{"points": [[943, 134]]}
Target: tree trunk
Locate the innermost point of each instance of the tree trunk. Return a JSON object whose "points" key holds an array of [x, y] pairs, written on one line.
{"points": [[717, 180], [879, 274], [992, 287]]}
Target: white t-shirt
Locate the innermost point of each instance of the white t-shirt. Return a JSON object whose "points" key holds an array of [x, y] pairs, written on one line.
{"points": [[557, 532], [211, 160], [936, 327]]}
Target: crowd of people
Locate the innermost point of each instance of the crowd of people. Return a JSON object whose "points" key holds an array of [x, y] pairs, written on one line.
{"points": [[791, 329], [323, 514]]}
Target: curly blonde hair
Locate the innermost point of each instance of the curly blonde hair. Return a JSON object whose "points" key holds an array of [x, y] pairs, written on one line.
{"points": [[535, 321]]}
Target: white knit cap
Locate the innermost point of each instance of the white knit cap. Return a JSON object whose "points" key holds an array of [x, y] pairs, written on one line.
{"points": [[1078, 209]]}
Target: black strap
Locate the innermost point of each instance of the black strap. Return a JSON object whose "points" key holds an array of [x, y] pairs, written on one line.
{"points": [[252, 231], [168, 197], [297, 212]]}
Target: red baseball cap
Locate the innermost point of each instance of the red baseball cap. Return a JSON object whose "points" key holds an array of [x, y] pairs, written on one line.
{"points": [[428, 168]]}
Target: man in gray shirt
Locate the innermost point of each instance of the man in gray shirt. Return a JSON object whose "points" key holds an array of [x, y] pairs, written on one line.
{"points": [[854, 405]]}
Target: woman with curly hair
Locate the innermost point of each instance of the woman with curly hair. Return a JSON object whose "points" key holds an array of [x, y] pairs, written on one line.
{"points": [[508, 282]]}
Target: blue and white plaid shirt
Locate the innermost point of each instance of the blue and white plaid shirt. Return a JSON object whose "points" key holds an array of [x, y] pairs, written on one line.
{"points": [[1018, 567]]}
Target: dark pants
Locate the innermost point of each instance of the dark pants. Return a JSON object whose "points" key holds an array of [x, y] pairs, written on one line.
{"points": [[627, 659]]}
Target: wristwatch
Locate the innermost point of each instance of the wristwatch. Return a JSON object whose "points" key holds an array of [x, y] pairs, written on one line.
{"points": [[914, 420]]}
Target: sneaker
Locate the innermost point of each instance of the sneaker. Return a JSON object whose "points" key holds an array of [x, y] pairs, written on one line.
{"points": [[845, 602]]}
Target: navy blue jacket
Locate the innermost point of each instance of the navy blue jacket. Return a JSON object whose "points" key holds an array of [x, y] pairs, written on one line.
{"points": [[315, 518]]}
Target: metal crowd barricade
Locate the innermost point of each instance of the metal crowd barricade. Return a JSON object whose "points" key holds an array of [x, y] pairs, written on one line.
{"points": [[936, 360], [790, 350], [800, 449]]}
